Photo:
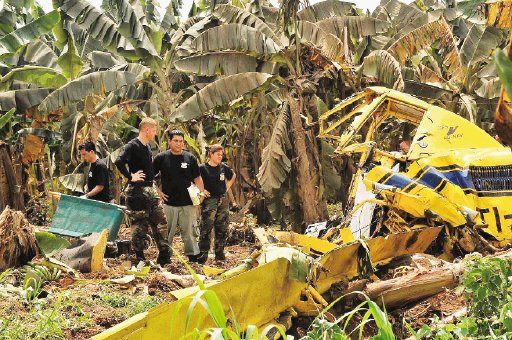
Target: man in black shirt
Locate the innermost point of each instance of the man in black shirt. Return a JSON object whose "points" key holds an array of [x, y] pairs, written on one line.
{"points": [[178, 169], [97, 179], [141, 196]]}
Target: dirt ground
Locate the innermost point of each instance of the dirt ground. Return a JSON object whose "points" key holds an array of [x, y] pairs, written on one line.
{"points": [[94, 303]]}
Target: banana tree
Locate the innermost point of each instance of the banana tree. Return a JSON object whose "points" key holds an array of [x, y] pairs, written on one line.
{"points": [[74, 64], [441, 56], [498, 14], [247, 60]]}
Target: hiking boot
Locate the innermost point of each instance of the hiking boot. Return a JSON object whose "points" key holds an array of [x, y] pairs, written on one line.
{"points": [[164, 257], [139, 256], [219, 255], [196, 258], [201, 258]]}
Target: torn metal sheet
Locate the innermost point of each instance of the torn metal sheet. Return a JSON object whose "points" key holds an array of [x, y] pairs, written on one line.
{"points": [[250, 297], [341, 263], [453, 175]]}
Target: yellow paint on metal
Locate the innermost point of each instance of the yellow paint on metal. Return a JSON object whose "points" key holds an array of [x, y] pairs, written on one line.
{"points": [[250, 298], [98, 252], [415, 198], [346, 235], [444, 142], [449, 200], [212, 271], [340, 264], [442, 131], [308, 244]]}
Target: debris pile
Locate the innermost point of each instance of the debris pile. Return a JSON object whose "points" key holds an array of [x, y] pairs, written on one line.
{"points": [[17, 240]]}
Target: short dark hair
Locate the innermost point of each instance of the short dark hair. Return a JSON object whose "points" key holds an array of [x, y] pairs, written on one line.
{"points": [[87, 146], [214, 148], [174, 132]]}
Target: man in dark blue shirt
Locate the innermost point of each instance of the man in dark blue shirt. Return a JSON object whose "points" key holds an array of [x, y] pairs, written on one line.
{"points": [[98, 176], [141, 196]]}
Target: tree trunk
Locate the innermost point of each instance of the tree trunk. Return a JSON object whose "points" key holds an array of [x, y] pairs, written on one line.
{"points": [[10, 190], [309, 176], [417, 286], [503, 119]]}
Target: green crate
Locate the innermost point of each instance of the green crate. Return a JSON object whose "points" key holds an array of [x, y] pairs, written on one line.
{"points": [[76, 216]]}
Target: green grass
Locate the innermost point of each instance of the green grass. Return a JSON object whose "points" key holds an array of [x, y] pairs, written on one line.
{"points": [[321, 328], [56, 317]]}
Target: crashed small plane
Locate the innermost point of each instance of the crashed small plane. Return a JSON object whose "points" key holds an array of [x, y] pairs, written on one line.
{"points": [[453, 174], [452, 187]]}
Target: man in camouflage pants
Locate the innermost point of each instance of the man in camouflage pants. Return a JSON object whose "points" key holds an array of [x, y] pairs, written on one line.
{"points": [[141, 196]]}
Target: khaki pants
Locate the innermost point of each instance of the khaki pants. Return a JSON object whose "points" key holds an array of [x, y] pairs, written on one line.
{"points": [[184, 217]]}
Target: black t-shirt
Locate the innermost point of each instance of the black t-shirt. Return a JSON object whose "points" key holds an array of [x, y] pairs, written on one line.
{"points": [[98, 175], [214, 178], [138, 157], [177, 172]]}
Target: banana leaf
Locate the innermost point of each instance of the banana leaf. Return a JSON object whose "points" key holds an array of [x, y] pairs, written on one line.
{"points": [[384, 68], [326, 9], [97, 82], [99, 27], [480, 43], [131, 27], [235, 37], [22, 100], [275, 164], [329, 44], [233, 15], [224, 63], [39, 53], [220, 92], [37, 75], [11, 43]]}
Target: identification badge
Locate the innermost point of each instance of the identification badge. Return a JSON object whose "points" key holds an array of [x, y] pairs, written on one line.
{"points": [[222, 176], [184, 165]]}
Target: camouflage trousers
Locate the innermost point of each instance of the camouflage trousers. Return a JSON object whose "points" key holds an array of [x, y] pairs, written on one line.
{"points": [[146, 212], [214, 215]]}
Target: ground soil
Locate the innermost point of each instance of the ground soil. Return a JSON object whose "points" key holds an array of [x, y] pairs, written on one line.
{"points": [[88, 288]]}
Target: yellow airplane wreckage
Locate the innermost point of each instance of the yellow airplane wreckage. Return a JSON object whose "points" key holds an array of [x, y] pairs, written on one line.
{"points": [[448, 191]]}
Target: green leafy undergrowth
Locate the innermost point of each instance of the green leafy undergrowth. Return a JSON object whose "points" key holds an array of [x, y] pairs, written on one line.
{"points": [[487, 289], [370, 311], [83, 309]]}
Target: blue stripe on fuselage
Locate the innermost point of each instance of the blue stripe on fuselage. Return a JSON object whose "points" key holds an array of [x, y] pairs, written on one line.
{"points": [[432, 178]]}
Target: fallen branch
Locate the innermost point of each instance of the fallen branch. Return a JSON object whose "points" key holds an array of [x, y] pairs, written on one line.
{"points": [[419, 285]]}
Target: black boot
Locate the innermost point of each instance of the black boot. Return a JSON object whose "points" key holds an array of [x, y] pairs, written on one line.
{"points": [[197, 258], [164, 257], [219, 255], [201, 258], [137, 257]]}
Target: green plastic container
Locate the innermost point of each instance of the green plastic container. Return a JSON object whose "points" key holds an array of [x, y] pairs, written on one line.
{"points": [[77, 216]]}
